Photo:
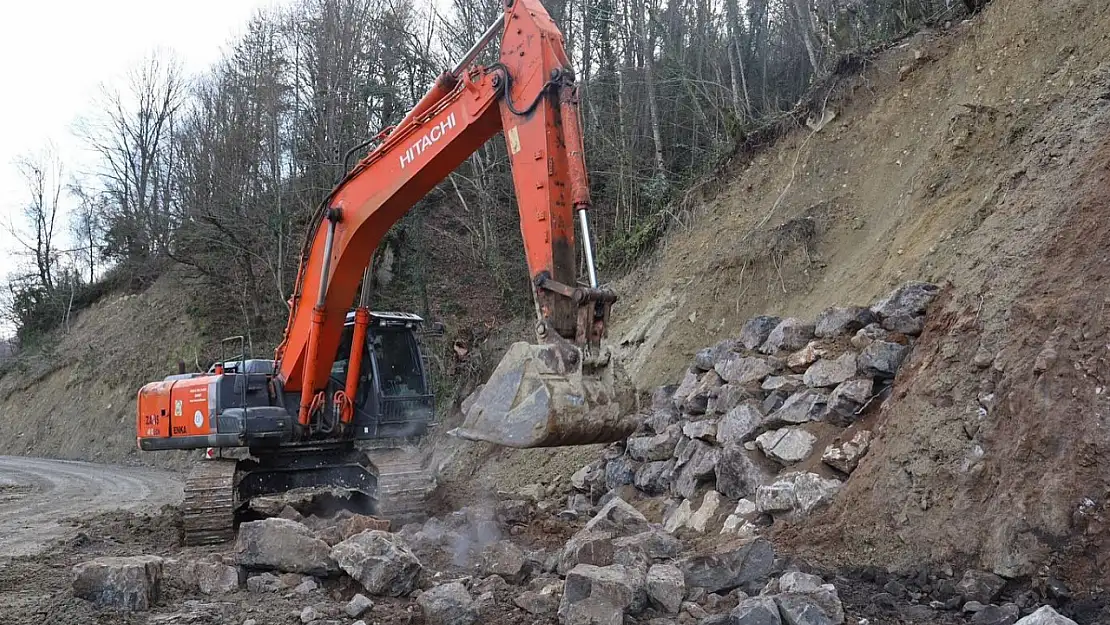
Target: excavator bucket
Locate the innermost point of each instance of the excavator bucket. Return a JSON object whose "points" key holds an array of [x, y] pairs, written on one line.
{"points": [[544, 396]]}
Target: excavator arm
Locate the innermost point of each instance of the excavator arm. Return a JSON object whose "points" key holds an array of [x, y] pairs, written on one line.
{"points": [[557, 393]]}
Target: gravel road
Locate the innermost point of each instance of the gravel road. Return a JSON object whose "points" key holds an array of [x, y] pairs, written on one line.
{"points": [[38, 495]]}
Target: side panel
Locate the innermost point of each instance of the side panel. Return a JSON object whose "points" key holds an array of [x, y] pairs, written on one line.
{"points": [[190, 416], [153, 420]]}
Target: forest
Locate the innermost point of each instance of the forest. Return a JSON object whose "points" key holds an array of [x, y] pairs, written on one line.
{"points": [[219, 173]]}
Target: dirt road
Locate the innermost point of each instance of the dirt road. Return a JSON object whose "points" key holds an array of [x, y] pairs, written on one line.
{"points": [[38, 495]]}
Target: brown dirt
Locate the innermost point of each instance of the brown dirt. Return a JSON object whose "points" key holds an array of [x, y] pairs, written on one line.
{"points": [[975, 157]]}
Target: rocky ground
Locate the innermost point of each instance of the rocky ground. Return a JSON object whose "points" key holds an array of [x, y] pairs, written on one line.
{"points": [[680, 524]]}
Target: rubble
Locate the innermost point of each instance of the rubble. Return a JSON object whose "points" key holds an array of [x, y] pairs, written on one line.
{"points": [[666, 587], [786, 445], [380, 561], [449, 604], [789, 335], [592, 591], [756, 330], [358, 605], [122, 583], [730, 568], [980, 586], [831, 372], [1045, 615], [845, 457], [699, 519], [755, 611]]}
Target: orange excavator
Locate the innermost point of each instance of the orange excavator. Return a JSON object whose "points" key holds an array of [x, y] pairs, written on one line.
{"points": [[334, 380]]}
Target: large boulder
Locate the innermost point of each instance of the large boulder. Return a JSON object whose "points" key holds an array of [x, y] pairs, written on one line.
{"points": [[666, 587], [826, 372], [881, 359], [586, 547], [652, 448], [756, 330], [743, 370], [739, 424], [910, 299], [449, 604], [840, 320], [789, 335], [380, 561], [1045, 615], [738, 473], [601, 590], [130, 583], [729, 568], [283, 545], [786, 445], [755, 611]]}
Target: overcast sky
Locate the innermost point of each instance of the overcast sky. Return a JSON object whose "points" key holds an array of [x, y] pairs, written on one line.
{"points": [[55, 55]]}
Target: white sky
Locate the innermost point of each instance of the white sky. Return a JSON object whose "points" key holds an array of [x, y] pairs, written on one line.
{"points": [[55, 54]]}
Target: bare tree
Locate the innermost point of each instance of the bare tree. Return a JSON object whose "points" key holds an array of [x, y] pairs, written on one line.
{"points": [[43, 175]]}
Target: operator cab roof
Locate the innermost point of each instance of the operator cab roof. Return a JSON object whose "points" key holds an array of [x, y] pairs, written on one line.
{"points": [[388, 318]]}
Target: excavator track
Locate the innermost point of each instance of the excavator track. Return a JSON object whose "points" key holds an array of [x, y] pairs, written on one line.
{"points": [[403, 486], [209, 504]]}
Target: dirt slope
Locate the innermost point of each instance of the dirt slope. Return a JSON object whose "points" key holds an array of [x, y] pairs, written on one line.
{"points": [[76, 398], [976, 157]]}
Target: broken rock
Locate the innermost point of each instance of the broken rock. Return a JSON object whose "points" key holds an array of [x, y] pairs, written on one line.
{"points": [[283, 545], [812, 491], [586, 547], [666, 587], [911, 299], [620, 471], [881, 359], [789, 335], [980, 586], [380, 561], [756, 330], [678, 517], [837, 321], [847, 398], [709, 504], [825, 372], [804, 357], [700, 466], [803, 609], [618, 516], [738, 473], [358, 604], [654, 478], [617, 587], [705, 430], [129, 583], [785, 383], [706, 359], [743, 370], [505, 559], [538, 603], [755, 611], [1045, 615], [740, 423], [801, 407], [905, 324], [846, 456], [787, 445], [449, 604], [728, 569], [654, 544], [654, 448]]}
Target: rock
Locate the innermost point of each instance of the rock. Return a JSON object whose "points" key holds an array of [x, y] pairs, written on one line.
{"points": [[697, 402], [655, 544], [291, 513], [801, 407], [359, 523], [738, 474], [283, 545], [583, 479], [795, 581], [801, 609], [911, 298], [358, 605], [997, 615], [881, 359], [505, 559], [728, 569], [980, 586], [686, 387], [804, 357], [306, 587], [701, 465], [532, 492], [845, 457], [756, 330], [789, 335], [123, 583], [309, 614], [678, 517], [654, 478], [705, 430], [620, 471], [380, 561], [618, 516], [847, 398], [740, 424], [873, 332], [812, 491], [709, 504], [973, 607], [742, 370], [448, 604], [787, 445], [619, 587], [728, 397], [786, 383], [1045, 615], [586, 547], [206, 577], [705, 359], [515, 511], [755, 611], [775, 497], [694, 610], [905, 324], [666, 587], [825, 372], [838, 321], [539, 603], [265, 582]]}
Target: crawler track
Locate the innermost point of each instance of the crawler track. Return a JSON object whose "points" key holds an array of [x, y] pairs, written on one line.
{"points": [[209, 505]]}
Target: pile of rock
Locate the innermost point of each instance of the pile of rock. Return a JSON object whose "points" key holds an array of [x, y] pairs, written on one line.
{"points": [[750, 410]]}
